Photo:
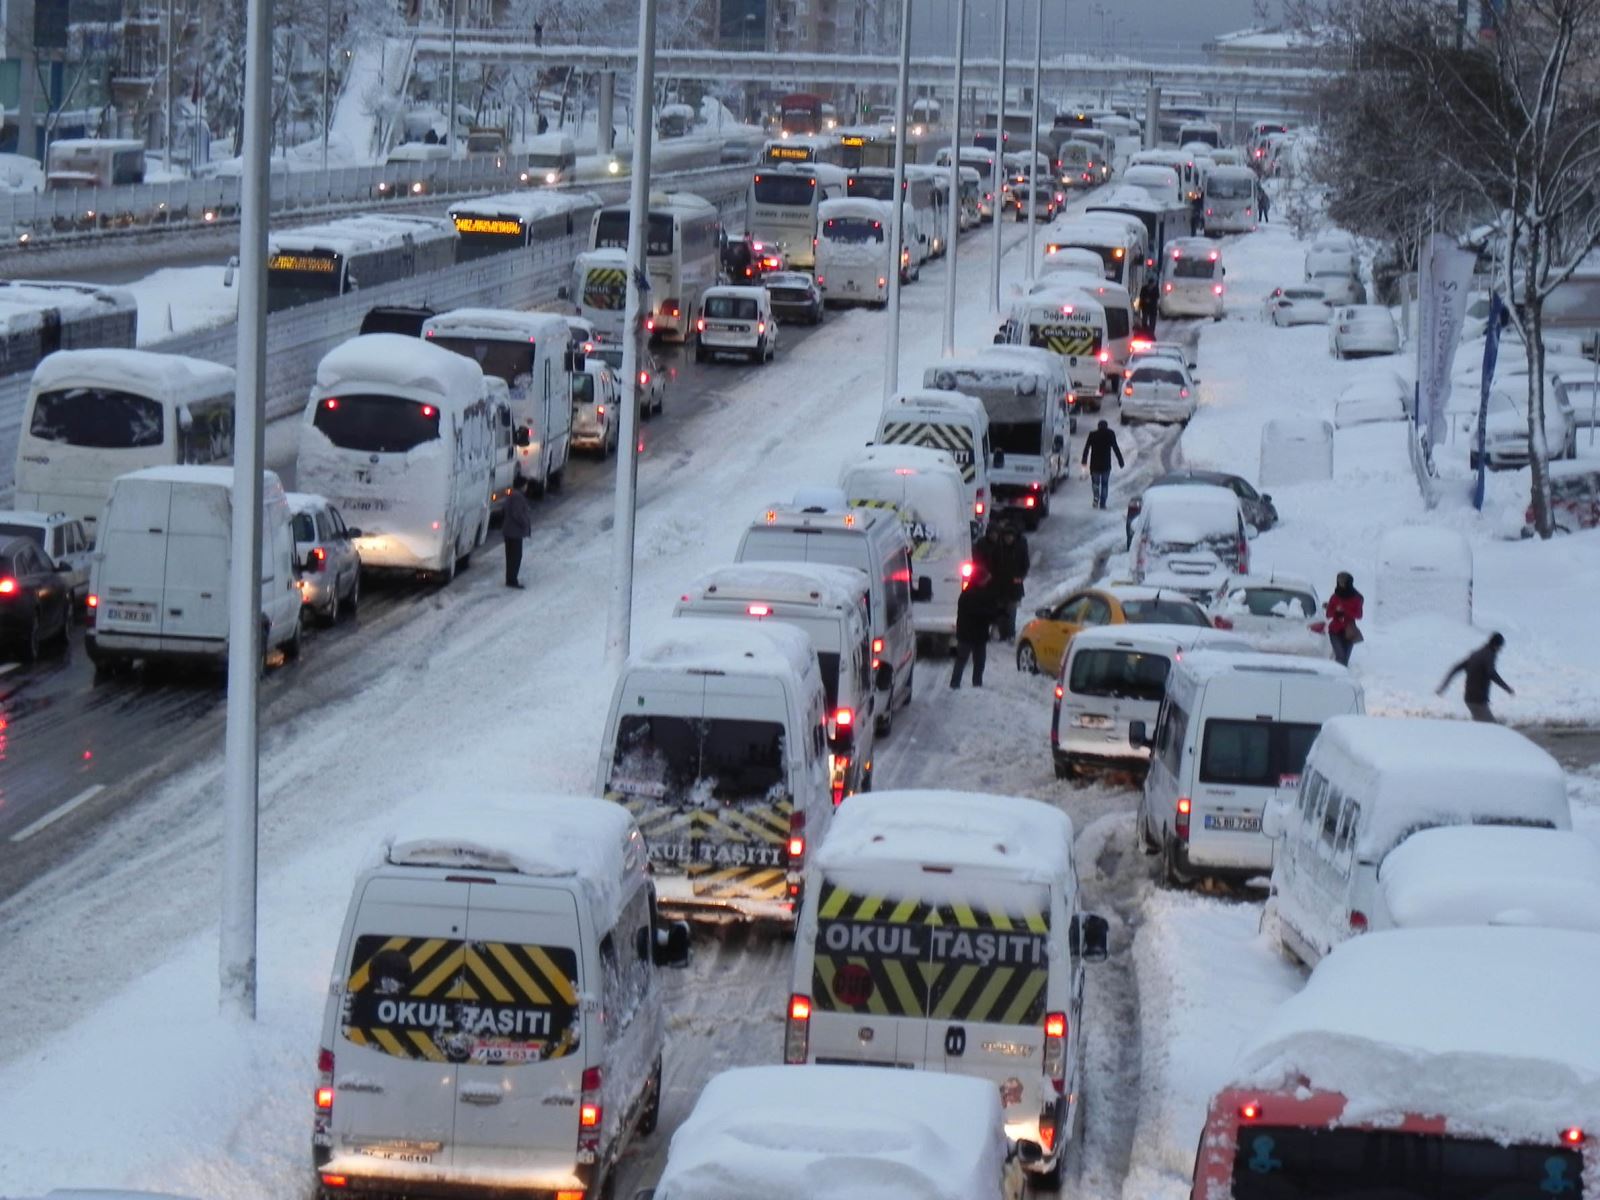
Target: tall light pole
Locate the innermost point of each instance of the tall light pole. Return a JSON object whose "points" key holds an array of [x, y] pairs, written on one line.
{"points": [[242, 763], [619, 621], [897, 218], [999, 150], [450, 118], [166, 146], [954, 229], [327, 66], [1033, 162]]}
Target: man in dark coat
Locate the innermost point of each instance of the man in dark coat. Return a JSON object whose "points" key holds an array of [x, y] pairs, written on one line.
{"points": [[1264, 203], [974, 615], [1149, 303], [1008, 563], [1098, 448], [516, 524], [1481, 671], [1197, 216]]}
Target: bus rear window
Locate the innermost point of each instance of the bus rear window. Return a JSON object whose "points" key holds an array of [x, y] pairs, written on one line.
{"points": [[771, 188], [376, 424], [98, 419], [870, 187], [1274, 1163], [1193, 268], [1229, 189], [852, 230]]}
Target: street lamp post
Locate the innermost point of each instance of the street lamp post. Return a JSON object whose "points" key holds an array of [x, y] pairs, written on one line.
{"points": [[954, 229], [999, 151], [1033, 162], [897, 219]]}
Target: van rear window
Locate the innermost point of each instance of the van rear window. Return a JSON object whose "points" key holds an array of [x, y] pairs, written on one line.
{"points": [[98, 419], [376, 424], [1254, 753], [459, 1001], [1120, 674], [688, 762]]}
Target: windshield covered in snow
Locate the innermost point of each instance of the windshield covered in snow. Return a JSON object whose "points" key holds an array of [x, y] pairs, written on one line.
{"points": [[1163, 611], [1279, 1163], [1121, 674], [1254, 753], [98, 418], [693, 762], [377, 424], [1271, 602]]}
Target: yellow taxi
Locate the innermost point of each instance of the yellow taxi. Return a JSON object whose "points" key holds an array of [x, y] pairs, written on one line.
{"points": [[1044, 640]]}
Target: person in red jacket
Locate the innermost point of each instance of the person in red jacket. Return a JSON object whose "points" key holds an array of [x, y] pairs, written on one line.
{"points": [[1343, 610]]}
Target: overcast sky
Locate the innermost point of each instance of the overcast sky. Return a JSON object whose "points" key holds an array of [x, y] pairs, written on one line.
{"points": [[1157, 24]]}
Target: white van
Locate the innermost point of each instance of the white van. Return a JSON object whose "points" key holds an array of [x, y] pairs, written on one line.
{"points": [[1026, 393], [925, 490], [1066, 319], [1191, 279], [821, 527], [1161, 183], [158, 588], [1231, 738], [830, 606], [1369, 785], [942, 931], [552, 160], [1189, 537], [1120, 239], [93, 415], [1111, 676], [950, 421], [716, 742], [1232, 200], [736, 320], [398, 434], [879, 1135], [600, 291], [596, 408], [1119, 308], [533, 353], [853, 255], [494, 1020]]}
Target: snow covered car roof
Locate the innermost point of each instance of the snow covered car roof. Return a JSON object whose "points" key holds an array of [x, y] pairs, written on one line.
{"points": [[453, 380], [174, 376], [793, 279], [1275, 579], [1005, 835], [1493, 875], [1493, 1029], [1208, 663], [800, 1132], [898, 458], [1158, 639], [728, 648], [554, 837], [1190, 512], [1425, 548], [783, 582], [1416, 772]]}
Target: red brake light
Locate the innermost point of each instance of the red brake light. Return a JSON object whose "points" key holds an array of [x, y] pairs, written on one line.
{"points": [[428, 410], [1221, 622], [325, 1062], [331, 403], [1183, 393], [7, 586], [877, 645], [700, 325], [1059, 693], [758, 610], [589, 1116], [1216, 289], [334, 1181], [797, 839], [844, 718], [799, 1008], [1181, 820], [1358, 921], [761, 326], [1319, 627], [1249, 1111], [599, 410], [797, 1036], [1055, 1025], [1184, 806], [644, 378], [591, 1079], [1572, 1136], [324, 1099]]}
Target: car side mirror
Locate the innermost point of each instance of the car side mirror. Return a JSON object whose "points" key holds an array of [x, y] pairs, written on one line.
{"points": [[924, 592], [1042, 613], [884, 679], [1060, 443], [563, 292], [672, 944], [1266, 498], [999, 458], [522, 437], [1138, 734], [351, 532]]}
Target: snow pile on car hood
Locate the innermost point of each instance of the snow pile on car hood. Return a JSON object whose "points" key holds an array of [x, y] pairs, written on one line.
{"points": [[1491, 1028]]}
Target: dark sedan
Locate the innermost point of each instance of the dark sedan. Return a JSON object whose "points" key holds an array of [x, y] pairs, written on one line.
{"points": [[1256, 506], [34, 599]]}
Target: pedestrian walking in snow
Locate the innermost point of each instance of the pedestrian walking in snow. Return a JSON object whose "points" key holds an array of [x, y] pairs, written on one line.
{"points": [[1009, 565], [1265, 203], [1343, 610], [974, 615], [1481, 671], [1149, 303], [1098, 448], [1197, 216], [516, 524]]}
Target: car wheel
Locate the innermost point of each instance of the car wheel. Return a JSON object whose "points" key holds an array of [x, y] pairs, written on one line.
{"points": [[700, 355], [330, 615], [1170, 875], [884, 725], [651, 1117], [1148, 844], [355, 594], [1027, 659], [1050, 1181], [1122, 419], [28, 648]]}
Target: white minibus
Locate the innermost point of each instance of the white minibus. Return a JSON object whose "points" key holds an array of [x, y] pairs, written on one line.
{"points": [[1163, 183], [93, 415], [398, 435], [600, 291], [948, 421], [1069, 321], [1119, 240], [1231, 200], [1191, 279], [918, 218]]}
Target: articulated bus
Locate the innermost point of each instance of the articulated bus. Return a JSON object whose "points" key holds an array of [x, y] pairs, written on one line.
{"points": [[781, 207], [323, 261], [39, 317], [520, 220], [682, 245]]}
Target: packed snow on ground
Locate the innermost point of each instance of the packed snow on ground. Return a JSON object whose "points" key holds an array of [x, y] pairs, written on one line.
{"points": [[178, 300]]}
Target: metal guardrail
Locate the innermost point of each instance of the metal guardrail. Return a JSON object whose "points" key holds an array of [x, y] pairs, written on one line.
{"points": [[297, 338]]}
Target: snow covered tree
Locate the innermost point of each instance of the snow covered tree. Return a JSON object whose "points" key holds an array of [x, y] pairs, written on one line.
{"points": [[1431, 124]]}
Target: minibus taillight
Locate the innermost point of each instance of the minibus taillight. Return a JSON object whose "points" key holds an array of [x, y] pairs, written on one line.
{"points": [[797, 1034], [590, 1115], [1249, 1111], [334, 1181], [1055, 1050], [1358, 921], [797, 840], [323, 1096], [1182, 819], [1572, 1136]]}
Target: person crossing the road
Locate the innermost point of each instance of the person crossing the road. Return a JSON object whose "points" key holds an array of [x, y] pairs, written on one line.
{"points": [[1481, 671], [1098, 448], [974, 615], [516, 524], [1009, 561]]}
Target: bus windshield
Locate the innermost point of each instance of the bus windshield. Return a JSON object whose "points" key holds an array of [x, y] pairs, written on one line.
{"points": [[509, 361], [791, 190], [99, 419], [855, 231], [377, 424], [294, 279]]}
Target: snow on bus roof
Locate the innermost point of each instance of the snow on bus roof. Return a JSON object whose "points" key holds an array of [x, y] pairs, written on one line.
{"points": [[352, 235], [799, 1132], [554, 837], [854, 206], [23, 300], [1491, 1028], [1026, 838], [728, 648], [392, 358], [794, 582], [144, 372], [1493, 875], [1422, 771], [527, 206]]}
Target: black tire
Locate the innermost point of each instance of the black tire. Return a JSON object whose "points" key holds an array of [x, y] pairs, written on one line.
{"points": [[330, 616], [651, 1117], [1027, 658], [558, 478], [447, 576], [1063, 769], [1170, 875], [1050, 1181], [28, 645], [700, 354], [1148, 844], [291, 648], [354, 603], [1122, 420]]}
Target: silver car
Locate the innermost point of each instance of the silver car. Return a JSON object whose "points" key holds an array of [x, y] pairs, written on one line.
{"points": [[1360, 329], [330, 566]]}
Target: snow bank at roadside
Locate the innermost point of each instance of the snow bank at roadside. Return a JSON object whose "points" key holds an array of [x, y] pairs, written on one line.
{"points": [[178, 300]]}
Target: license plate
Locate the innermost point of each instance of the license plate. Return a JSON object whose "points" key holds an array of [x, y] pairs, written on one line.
{"points": [[1094, 721], [850, 285], [134, 616], [721, 326], [1233, 824]]}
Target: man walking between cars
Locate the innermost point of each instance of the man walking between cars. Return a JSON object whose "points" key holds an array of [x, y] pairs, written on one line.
{"points": [[1009, 561], [1343, 610], [1149, 302], [1098, 448], [516, 524], [1263, 202], [974, 615], [1481, 671]]}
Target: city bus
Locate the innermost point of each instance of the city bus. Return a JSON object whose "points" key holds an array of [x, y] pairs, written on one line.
{"points": [[94, 163], [323, 261], [39, 317], [803, 150], [520, 221], [683, 249], [781, 207]]}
